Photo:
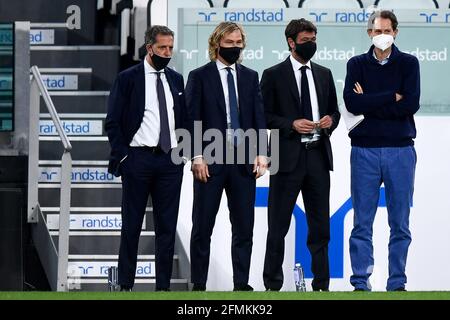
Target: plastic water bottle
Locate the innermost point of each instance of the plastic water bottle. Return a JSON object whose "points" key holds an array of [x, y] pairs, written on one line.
{"points": [[299, 278], [112, 279]]}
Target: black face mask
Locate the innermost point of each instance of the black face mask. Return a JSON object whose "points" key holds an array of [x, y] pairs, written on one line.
{"points": [[306, 50], [159, 62], [230, 55]]}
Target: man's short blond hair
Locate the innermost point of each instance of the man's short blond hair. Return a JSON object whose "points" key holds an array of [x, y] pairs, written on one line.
{"points": [[219, 32]]}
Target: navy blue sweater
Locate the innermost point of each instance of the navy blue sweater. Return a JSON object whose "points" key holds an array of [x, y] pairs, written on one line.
{"points": [[386, 123]]}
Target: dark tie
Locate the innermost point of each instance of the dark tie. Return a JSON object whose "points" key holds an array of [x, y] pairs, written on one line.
{"points": [[164, 134], [305, 97], [234, 112]]}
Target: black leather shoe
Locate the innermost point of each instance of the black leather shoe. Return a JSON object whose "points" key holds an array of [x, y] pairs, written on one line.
{"points": [[323, 290], [399, 289], [162, 289], [359, 289], [125, 288], [271, 289], [242, 287], [199, 287]]}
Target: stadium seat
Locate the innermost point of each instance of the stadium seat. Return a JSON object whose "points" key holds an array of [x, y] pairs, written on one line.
{"points": [[341, 4], [256, 4], [406, 4]]}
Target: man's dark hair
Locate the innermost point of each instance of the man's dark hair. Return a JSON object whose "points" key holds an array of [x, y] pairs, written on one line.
{"points": [[385, 14], [296, 26], [153, 31]]}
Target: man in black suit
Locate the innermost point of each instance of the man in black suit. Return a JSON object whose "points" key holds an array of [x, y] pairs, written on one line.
{"points": [[225, 96], [300, 101], [146, 105]]}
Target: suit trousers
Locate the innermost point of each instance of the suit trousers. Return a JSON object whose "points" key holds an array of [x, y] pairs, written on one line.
{"points": [[310, 176], [144, 173], [240, 189]]}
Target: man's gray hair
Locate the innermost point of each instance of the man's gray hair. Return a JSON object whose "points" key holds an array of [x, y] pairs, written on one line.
{"points": [[154, 31]]}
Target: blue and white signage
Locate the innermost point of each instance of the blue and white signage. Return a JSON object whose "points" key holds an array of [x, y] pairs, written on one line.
{"points": [[5, 82], [72, 128], [60, 81], [98, 269], [110, 222], [42, 36], [80, 175]]}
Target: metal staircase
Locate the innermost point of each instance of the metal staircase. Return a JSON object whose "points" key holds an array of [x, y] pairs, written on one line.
{"points": [[77, 74]]}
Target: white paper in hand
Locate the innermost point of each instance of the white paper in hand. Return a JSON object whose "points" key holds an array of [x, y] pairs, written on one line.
{"points": [[351, 120]]}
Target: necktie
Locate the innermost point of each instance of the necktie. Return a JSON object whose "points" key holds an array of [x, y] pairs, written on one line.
{"points": [[234, 112], [305, 97], [164, 134]]}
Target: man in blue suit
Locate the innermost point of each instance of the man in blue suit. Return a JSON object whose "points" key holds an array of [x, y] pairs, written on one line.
{"points": [[146, 105], [225, 96]]}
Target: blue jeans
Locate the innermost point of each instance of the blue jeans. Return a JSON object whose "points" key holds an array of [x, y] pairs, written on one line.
{"points": [[370, 167]]}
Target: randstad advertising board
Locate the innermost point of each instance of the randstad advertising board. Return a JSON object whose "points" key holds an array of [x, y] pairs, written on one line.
{"points": [[341, 35]]}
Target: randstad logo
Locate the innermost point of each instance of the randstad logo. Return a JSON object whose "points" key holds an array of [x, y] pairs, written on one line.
{"points": [[250, 15], [207, 16], [336, 245], [429, 17], [354, 16]]}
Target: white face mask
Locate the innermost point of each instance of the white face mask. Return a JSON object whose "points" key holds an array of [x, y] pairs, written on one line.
{"points": [[383, 41]]}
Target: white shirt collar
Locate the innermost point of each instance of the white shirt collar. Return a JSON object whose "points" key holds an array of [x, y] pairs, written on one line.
{"points": [[149, 69], [221, 65], [296, 65]]}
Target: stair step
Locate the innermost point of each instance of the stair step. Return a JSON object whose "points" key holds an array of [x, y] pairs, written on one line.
{"points": [[76, 127], [75, 116], [110, 257], [76, 138], [99, 233], [74, 163], [81, 150], [67, 79], [99, 268], [83, 102], [87, 209], [104, 242], [83, 197], [80, 175], [95, 221], [104, 60], [140, 285], [48, 34]]}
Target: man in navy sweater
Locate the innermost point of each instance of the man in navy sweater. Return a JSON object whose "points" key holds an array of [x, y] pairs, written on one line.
{"points": [[383, 85]]}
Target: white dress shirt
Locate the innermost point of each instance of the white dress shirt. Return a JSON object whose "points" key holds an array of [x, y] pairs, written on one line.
{"points": [[296, 65], [223, 78], [148, 133], [223, 72]]}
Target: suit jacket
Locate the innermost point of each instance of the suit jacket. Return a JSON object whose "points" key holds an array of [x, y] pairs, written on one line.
{"points": [[206, 102], [282, 107], [126, 106]]}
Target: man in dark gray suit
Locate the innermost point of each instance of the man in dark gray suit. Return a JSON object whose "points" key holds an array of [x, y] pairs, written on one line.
{"points": [[300, 101]]}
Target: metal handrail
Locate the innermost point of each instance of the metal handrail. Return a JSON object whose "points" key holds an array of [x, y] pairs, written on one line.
{"points": [[55, 263], [51, 108]]}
